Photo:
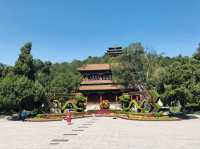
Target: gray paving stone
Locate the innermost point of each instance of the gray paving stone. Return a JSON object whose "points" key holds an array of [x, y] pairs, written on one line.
{"points": [[104, 133]]}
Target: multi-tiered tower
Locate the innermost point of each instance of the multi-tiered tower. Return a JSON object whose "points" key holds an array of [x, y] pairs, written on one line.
{"points": [[97, 84]]}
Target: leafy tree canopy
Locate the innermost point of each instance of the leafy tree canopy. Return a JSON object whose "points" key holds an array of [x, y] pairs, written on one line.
{"points": [[27, 84]]}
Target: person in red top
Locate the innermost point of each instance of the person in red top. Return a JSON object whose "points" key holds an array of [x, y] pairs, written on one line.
{"points": [[68, 117]]}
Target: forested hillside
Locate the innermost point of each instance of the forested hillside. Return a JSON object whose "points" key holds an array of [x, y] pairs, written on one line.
{"points": [[28, 84]]}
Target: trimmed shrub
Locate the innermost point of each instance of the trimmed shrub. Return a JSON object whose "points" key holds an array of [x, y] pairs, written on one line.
{"points": [[80, 102]]}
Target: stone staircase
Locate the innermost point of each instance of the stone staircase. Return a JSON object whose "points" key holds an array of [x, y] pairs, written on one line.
{"points": [[95, 106], [92, 106], [115, 106]]}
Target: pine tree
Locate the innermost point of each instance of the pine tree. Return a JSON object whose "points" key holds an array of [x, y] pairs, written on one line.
{"points": [[24, 65]]}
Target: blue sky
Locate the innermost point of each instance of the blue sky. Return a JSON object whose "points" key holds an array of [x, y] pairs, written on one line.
{"points": [[63, 30]]}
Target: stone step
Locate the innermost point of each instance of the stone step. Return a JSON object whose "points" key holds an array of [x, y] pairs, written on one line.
{"points": [[113, 106]]}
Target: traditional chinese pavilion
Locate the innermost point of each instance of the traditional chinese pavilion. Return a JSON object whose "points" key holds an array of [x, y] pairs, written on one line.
{"points": [[97, 83], [114, 51]]}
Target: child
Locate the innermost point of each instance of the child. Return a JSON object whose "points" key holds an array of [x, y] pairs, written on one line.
{"points": [[68, 117]]}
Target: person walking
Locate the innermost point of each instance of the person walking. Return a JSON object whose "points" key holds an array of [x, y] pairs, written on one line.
{"points": [[68, 117], [23, 115]]}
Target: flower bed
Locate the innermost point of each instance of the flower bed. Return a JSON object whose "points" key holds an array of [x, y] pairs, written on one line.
{"points": [[42, 119], [151, 118], [123, 115], [55, 117]]}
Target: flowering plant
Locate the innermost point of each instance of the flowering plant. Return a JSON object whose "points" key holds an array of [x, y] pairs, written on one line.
{"points": [[104, 104]]}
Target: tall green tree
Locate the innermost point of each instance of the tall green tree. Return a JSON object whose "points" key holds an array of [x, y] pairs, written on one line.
{"points": [[7, 95], [130, 69], [64, 83], [18, 92], [2, 67], [24, 65], [42, 71], [197, 54]]}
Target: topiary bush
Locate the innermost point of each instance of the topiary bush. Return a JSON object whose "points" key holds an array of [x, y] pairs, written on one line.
{"points": [[125, 100], [69, 105], [80, 102]]}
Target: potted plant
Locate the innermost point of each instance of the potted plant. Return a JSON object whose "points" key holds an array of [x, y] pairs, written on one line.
{"points": [[104, 104]]}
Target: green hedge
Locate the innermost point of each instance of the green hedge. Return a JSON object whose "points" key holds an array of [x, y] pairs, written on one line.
{"points": [[192, 107]]}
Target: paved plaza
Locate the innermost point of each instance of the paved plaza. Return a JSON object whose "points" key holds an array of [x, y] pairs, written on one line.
{"points": [[100, 133]]}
